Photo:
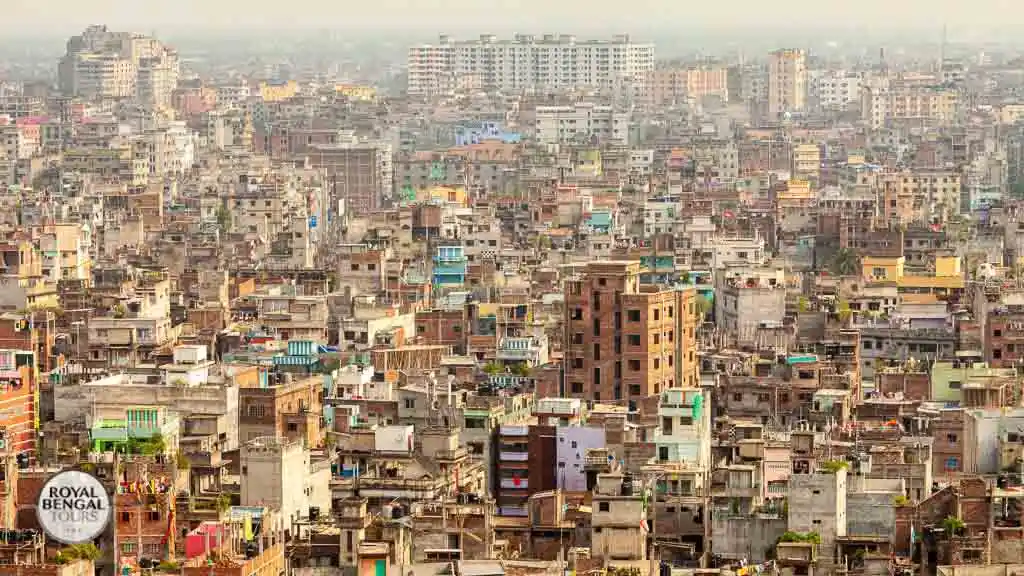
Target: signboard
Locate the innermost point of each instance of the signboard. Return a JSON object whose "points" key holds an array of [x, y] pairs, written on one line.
{"points": [[312, 222], [73, 507]]}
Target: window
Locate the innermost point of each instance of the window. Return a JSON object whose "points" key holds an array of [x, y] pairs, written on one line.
{"points": [[577, 338], [670, 311], [154, 515], [634, 340], [954, 384], [633, 315], [410, 403], [597, 376], [256, 410], [634, 365], [663, 453], [293, 427], [951, 438], [577, 314], [371, 266], [577, 387], [657, 314], [737, 397], [597, 351], [603, 507], [355, 267], [666, 425], [577, 363], [127, 547], [657, 363]]}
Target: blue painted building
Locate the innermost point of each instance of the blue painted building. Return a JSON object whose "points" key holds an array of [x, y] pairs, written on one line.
{"points": [[449, 266], [476, 132]]}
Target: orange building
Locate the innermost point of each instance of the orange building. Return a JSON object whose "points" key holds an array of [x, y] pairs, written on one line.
{"points": [[18, 400]]}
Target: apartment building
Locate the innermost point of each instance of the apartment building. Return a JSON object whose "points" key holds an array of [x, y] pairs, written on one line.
{"points": [[581, 123], [676, 84], [624, 340], [104, 64], [527, 63], [359, 172], [834, 90], [787, 82]]}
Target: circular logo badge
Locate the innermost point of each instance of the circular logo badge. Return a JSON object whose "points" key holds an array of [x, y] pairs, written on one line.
{"points": [[74, 507]]}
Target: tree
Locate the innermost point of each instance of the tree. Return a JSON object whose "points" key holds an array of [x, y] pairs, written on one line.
{"points": [[522, 369], [833, 466], [74, 552], [492, 368], [703, 306], [953, 526], [224, 218], [845, 262]]}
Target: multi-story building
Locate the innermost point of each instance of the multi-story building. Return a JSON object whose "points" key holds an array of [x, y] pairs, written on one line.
{"points": [[528, 63], [581, 122], [104, 64], [283, 408], [676, 84], [359, 172], [834, 90], [624, 340], [787, 82]]}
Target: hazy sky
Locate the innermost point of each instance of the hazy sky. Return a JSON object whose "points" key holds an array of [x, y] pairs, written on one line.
{"points": [[634, 16]]}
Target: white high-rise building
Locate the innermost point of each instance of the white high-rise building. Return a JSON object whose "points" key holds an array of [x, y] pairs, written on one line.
{"points": [[787, 82], [835, 90], [102, 64], [528, 63]]}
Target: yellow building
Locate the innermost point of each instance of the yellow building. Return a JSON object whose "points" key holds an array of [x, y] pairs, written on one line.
{"points": [[880, 269], [948, 278], [356, 92], [442, 195], [277, 92], [807, 161]]}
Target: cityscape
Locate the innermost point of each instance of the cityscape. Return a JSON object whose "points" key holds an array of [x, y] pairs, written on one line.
{"points": [[545, 300]]}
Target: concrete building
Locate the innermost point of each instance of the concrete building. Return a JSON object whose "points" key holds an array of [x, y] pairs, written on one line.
{"points": [[281, 407], [787, 82], [581, 123], [102, 64], [283, 476], [360, 173], [624, 340], [528, 63], [817, 503], [618, 517]]}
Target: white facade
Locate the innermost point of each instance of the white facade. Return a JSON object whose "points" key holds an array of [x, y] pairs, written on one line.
{"points": [[581, 122], [279, 475], [787, 82], [528, 63], [835, 89]]}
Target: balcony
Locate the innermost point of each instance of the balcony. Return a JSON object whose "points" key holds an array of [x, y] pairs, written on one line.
{"points": [[513, 456], [120, 430], [515, 483]]}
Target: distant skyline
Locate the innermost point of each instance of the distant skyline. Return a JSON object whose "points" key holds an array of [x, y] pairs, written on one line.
{"points": [[639, 17]]}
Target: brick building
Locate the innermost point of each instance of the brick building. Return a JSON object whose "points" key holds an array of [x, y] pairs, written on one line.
{"points": [[282, 408], [625, 340]]}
